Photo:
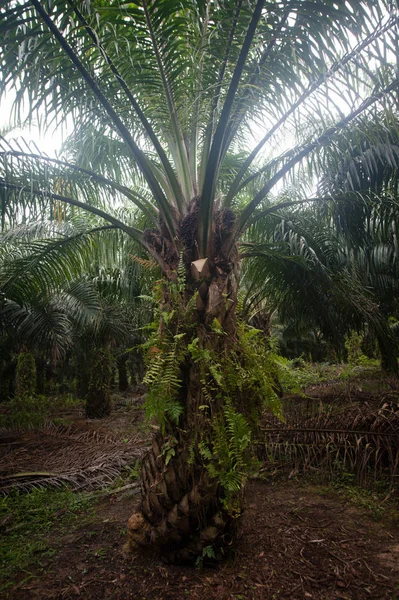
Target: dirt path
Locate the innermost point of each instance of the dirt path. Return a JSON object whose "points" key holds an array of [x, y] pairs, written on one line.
{"points": [[295, 542]]}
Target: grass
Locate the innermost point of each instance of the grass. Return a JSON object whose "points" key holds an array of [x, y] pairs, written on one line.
{"points": [[308, 374], [26, 519], [129, 474], [377, 500]]}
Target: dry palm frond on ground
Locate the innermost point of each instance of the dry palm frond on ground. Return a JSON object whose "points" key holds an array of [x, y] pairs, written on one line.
{"points": [[335, 432], [55, 456]]}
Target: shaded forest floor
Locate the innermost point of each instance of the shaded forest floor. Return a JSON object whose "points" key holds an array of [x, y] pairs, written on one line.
{"points": [[299, 538]]}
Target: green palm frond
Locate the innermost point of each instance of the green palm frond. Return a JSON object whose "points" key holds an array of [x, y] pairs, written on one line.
{"points": [[316, 277], [178, 85]]}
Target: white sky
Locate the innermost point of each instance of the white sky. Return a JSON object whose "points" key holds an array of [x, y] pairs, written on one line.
{"points": [[49, 142]]}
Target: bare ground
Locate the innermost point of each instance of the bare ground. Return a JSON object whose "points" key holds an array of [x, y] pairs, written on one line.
{"points": [[294, 542]]}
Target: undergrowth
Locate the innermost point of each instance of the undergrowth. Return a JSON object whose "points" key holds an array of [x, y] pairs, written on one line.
{"points": [[379, 500], [308, 374], [24, 521], [33, 410]]}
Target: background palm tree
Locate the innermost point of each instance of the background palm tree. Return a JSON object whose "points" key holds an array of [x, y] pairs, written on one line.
{"points": [[162, 95], [333, 265], [60, 305], [43, 301]]}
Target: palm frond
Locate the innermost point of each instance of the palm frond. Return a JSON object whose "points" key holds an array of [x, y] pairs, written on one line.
{"points": [[329, 435], [89, 461]]}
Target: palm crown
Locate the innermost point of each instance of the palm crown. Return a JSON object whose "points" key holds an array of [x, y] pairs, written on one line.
{"points": [[169, 90]]}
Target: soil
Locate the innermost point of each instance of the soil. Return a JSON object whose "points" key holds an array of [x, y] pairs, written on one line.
{"points": [[294, 542]]}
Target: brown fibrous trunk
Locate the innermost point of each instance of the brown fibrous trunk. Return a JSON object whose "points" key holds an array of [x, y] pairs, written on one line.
{"points": [[182, 509]]}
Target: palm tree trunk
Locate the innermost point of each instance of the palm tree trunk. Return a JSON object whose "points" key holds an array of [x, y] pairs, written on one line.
{"points": [[40, 375], [207, 384], [137, 367], [388, 346], [83, 377], [4, 383], [184, 507], [26, 374], [98, 399], [389, 360], [123, 380]]}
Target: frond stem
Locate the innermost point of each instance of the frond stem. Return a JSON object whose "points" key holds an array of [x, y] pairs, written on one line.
{"points": [[138, 154], [181, 147], [138, 199], [312, 88], [132, 231], [211, 125], [144, 121], [213, 165]]}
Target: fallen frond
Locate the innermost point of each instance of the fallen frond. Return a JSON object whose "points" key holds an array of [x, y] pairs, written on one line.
{"points": [[59, 456], [331, 436]]}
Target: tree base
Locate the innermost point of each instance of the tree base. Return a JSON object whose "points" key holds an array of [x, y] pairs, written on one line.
{"points": [[98, 405], [194, 527], [173, 547]]}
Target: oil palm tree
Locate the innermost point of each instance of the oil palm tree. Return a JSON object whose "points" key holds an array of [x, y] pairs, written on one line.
{"points": [[109, 339], [192, 111], [317, 281]]}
